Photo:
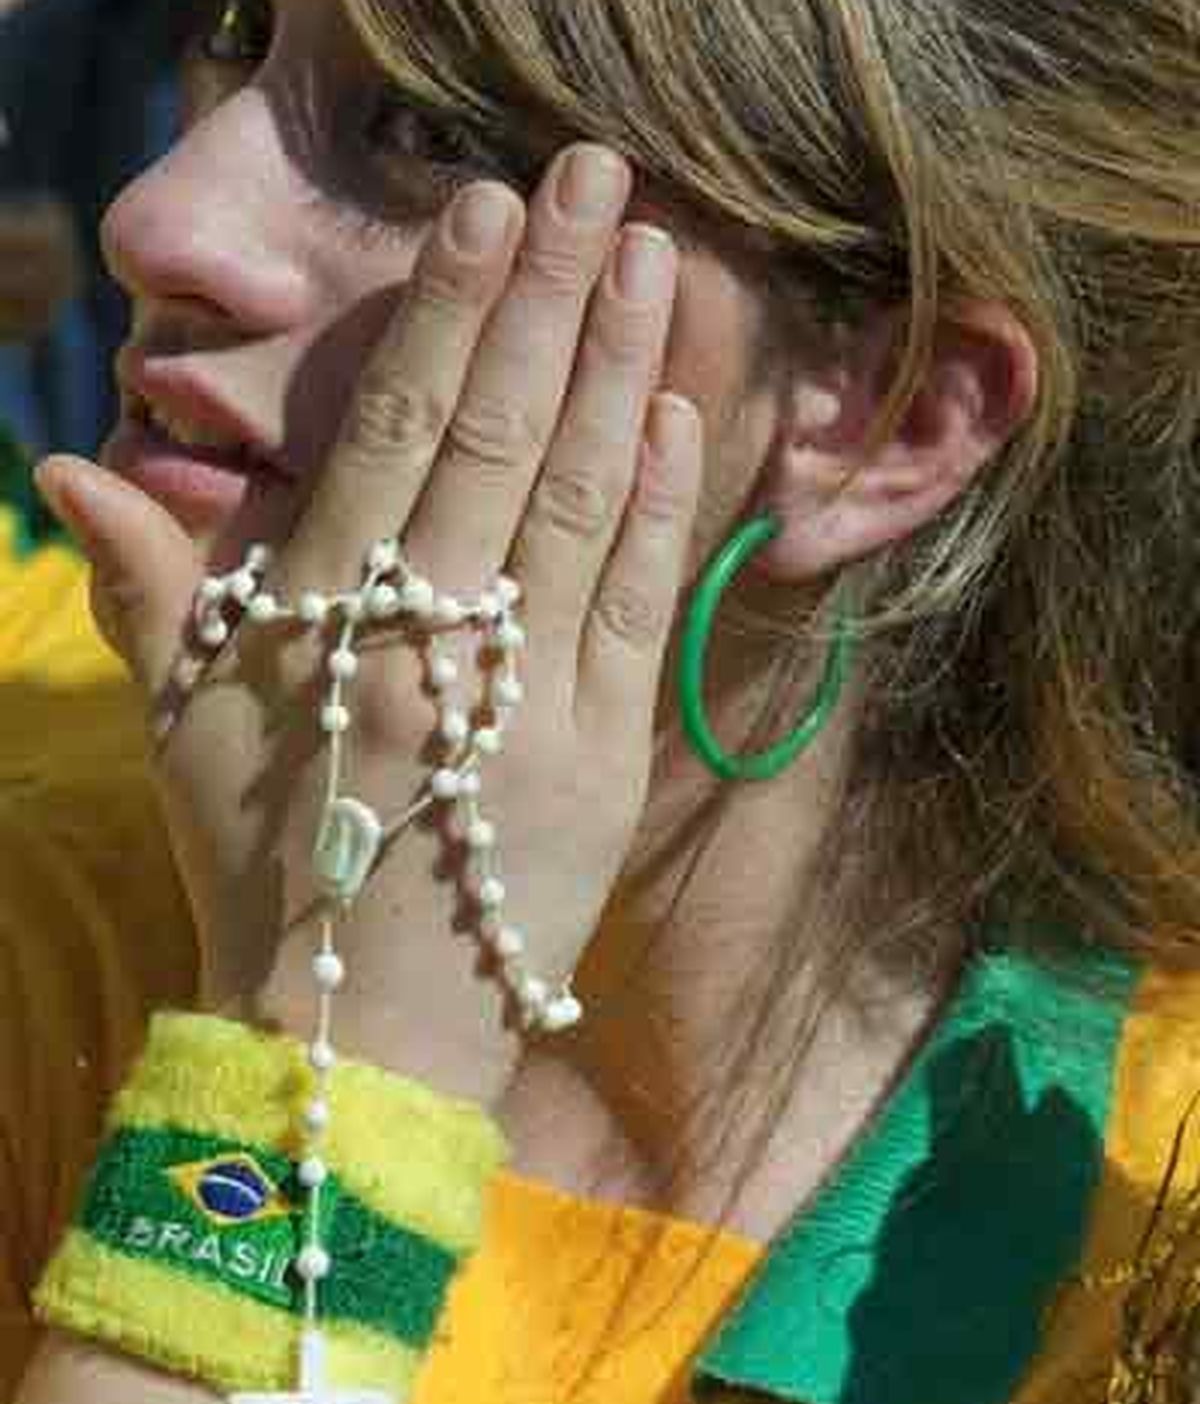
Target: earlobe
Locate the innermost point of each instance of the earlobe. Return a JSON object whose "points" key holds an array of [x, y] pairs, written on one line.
{"points": [[840, 496]]}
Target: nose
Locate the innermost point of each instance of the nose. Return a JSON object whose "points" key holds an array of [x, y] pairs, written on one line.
{"points": [[211, 225]]}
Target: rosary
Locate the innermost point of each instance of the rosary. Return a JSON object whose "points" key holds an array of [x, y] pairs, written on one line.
{"points": [[351, 835]]}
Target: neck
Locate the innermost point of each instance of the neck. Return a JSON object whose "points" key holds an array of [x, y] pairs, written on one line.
{"points": [[694, 1087]]}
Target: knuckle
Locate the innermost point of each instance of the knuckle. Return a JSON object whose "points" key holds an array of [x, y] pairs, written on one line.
{"points": [[447, 288], [630, 616], [554, 270], [573, 503], [389, 420], [626, 335], [495, 436]]}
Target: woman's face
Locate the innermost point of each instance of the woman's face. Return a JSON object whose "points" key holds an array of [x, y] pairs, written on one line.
{"points": [[266, 251]]}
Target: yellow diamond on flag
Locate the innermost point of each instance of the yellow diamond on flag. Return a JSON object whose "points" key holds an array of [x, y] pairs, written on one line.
{"points": [[231, 1189]]}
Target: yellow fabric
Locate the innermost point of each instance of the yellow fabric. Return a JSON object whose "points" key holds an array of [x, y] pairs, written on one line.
{"points": [[1157, 1079], [577, 1301], [246, 1344], [251, 1088], [93, 927]]}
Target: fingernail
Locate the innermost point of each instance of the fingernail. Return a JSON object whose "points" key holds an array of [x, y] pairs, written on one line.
{"points": [[644, 259], [50, 479], [672, 425], [68, 492], [592, 183], [480, 220]]}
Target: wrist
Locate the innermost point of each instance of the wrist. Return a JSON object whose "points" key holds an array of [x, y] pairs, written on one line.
{"points": [[451, 1032]]}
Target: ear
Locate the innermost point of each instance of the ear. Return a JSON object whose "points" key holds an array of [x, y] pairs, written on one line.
{"points": [[837, 503]]}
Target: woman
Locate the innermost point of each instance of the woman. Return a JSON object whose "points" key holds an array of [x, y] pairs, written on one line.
{"points": [[888, 279]]}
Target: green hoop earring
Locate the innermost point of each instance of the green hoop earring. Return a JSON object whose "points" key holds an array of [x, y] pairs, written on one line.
{"points": [[766, 765]]}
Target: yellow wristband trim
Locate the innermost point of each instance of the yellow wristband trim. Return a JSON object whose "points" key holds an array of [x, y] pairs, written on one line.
{"points": [[410, 1154], [231, 1341]]}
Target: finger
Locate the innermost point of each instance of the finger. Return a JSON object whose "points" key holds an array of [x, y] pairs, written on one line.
{"points": [[635, 603], [145, 568], [464, 524], [408, 389], [579, 500]]}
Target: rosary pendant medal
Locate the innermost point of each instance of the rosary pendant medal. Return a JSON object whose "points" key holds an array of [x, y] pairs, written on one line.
{"points": [[346, 849]]}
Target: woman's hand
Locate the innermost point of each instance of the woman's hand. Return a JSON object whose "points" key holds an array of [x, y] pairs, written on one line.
{"points": [[508, 422]]}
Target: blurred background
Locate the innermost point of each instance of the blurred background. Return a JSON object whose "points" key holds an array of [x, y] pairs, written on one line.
{"points": [[87, 99]]}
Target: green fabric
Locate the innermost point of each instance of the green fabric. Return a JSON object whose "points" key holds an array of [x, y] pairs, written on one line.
{"points": [[35, 524], [141, 1201], [921, 1272]]}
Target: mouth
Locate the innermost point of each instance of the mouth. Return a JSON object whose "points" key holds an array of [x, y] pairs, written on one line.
{"points": [[188, 450], [204, 441]]}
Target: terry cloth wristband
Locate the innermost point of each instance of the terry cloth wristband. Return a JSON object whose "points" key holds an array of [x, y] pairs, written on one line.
{"points": [[192, 1215]]}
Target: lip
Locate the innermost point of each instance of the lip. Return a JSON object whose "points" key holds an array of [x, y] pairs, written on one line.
{"points": [[199, 486], [198, 489], [171, 387]]}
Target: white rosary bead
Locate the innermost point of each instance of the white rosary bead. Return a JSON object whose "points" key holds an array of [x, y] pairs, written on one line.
{"points": [[343, 665], [418, 596], [316, 1115], [335, 719], [534, 994], [510, 636], [561, 1014], [455, 727], [313, 608], [508, 692], [312, 1173], [212, 590], [243, 585], [322, 1057], [214, 633], [481, 836], [446, 784], [384, 602], [489, 741], [329, 971], [492, 893], [313, 1263], [443, 672], [259, 557], [448, 612], [385, 555], [353, 607], [508, 591], [490, 607], [264, 609], [510, 943]]}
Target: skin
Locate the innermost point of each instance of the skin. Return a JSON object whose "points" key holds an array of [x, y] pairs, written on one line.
{"points": [[646, 446]]}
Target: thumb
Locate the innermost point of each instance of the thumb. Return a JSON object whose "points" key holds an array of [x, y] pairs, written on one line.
{"points": [[145, 568]]}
